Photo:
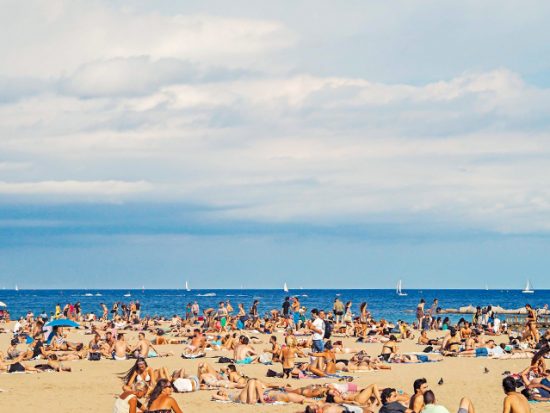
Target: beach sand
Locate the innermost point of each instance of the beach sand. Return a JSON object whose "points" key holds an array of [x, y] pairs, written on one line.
{"points": [[93, 385]]}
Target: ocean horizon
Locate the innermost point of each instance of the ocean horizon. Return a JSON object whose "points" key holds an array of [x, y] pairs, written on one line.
{"points": [[383, 303]]}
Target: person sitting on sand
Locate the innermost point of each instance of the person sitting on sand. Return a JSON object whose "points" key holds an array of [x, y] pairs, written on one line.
{"points": [[120, 348], [235, 377], [128, 401], [140, 372], [389, 348], [245, 354], [465, 406], [161, 400], [392, 403], [183, 382], [425, 341], [420, 386], [514, 402]]}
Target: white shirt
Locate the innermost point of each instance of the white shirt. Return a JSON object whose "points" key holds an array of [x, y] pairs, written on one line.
{"points": [[497, 351], [319, 325]]}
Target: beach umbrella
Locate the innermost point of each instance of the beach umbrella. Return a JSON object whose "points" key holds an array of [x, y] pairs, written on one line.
{"points": [[3, 304], [62, 322]]}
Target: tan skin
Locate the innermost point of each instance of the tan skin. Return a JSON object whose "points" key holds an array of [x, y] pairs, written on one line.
{"points": [[165, 401], [134, 400], [515, 402], [417, 400]]}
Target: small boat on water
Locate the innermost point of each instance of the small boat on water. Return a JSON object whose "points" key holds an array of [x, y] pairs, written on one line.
{"points": [[528, 288], [399, 290], [187, 286], [127, 295], [285, 288]]}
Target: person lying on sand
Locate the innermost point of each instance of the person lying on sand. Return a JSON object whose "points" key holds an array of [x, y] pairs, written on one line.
{"points": [[257, 392], [340, 393]]}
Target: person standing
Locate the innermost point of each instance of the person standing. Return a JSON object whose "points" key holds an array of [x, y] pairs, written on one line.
{"points": [[338, 309], [317, 326], [420, 313]]}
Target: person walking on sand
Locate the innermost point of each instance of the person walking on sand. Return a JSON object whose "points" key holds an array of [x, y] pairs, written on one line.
{"points": [[514, 402]]}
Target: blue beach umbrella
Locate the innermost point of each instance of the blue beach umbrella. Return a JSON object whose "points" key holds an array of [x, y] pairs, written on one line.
{"points": [[62, 322]]}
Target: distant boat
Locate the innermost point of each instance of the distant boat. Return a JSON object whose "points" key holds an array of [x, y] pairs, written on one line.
{"points": [[486, 287], [285, 288], [187, 286], [398, 290], [127, 295], [528, 289], [16, 287]]}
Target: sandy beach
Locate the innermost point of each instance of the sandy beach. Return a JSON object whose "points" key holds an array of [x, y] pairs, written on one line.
{"points": [[92, 386]]}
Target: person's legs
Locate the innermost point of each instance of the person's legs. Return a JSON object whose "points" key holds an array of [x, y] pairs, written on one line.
{"points": [[466, 406], [366, 393]]}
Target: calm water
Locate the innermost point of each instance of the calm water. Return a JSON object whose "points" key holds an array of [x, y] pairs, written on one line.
{"points": [[382, 303]]}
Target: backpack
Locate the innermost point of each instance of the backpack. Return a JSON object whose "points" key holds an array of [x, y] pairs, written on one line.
{"points": [[328, 330]]}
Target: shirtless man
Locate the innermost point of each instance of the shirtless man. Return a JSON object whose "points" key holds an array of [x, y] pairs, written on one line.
{"points": [[465, 331], [514, 402], [244, 354], [143, 347], [420, 386], [119, 348]]}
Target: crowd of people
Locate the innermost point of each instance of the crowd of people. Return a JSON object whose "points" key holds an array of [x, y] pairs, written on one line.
{"points": [[313, 345]]}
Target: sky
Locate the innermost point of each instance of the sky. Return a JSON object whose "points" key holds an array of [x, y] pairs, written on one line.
{"points": [[326, 144]]}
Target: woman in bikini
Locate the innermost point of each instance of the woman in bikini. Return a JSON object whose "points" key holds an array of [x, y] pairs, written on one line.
{"points": [[161, 400], [531, 325], [389, 348], [140, 372]]}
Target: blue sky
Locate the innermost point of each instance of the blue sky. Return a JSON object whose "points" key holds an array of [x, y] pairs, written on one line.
{"points": [[245, 143]]}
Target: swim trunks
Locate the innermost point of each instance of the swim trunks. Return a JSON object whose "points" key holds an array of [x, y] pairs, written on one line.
{"points": [[482, 352], [246, 360]]}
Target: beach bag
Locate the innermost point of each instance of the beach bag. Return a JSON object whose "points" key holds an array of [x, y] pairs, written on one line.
{"points": [[94, 356], [225, 360], [271, 373], [428, 349]]}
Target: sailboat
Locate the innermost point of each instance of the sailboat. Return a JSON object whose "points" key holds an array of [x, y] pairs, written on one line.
{"points": [[16, 287], [398, 290], [187, 286], [528, 289], [285, 288], [486, 287]]}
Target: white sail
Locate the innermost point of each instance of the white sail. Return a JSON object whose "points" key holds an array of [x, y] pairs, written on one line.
{"points": [[285, 288], [528, 289], [187, 286], [399, 289], [16, 287]]}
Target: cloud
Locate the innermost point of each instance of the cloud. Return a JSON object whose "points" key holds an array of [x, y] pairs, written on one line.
{"points": [[95, 189]]}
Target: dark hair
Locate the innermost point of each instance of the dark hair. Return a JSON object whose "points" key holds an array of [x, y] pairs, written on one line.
{"points": [[509, 384], [314, 311], [161, 385], [232, 367], [386, 393], [128, 375], [429, 397], [393, 338], [419, 382]]}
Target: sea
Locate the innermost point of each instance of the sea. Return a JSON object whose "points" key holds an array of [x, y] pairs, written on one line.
{"points": [[381, 303]]}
